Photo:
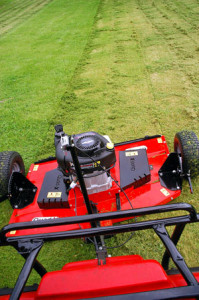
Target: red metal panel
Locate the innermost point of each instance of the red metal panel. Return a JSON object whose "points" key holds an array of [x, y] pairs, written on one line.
{"points": [[87, 279]]}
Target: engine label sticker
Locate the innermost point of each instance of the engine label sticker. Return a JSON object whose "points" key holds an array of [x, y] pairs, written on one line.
{"points": [[165, 192], [36, 167], [131, 153], [160, 141], [54, 194]]}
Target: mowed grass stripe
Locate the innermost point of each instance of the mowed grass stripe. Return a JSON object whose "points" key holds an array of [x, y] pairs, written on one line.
{"points": [[13, 18], [37, 60], [26, 12], [177, 106], [184, 11], [132, 81], [12, 10], [6, 5], [182, 60], [112, 80], [172, 18], [163, 77]]}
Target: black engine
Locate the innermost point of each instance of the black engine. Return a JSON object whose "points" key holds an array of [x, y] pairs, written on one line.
{"points": [[95, 152], [96, 156]]}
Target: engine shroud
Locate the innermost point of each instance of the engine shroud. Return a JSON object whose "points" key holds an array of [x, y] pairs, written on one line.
{"points": [[92, 151]]}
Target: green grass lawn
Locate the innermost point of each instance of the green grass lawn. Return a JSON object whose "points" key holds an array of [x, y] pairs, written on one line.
{"points": [[37, 60], [126, 68]]}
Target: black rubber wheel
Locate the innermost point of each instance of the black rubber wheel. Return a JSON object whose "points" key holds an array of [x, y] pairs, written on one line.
{"points": [[186, 144], [10, 161]]}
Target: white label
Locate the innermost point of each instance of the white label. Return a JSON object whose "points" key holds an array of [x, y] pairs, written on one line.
{"points": [[44, 218], [165, 192], [131, 153]]}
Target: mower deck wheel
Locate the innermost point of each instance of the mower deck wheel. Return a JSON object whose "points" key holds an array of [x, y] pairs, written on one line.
{"points": [[10, 161], [186, 144]]}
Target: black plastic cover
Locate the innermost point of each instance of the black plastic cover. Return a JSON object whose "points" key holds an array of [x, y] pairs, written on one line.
{"points": [[53, 192], [134, 168], [21, 191]]}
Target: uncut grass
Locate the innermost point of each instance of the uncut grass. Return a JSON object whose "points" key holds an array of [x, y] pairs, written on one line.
{"points": [[137, 76]]}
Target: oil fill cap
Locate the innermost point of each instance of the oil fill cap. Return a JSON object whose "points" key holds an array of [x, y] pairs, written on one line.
{"points": [[109, 146]]}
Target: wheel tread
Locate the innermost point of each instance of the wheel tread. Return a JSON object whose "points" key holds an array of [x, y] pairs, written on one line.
{"points": [[189, 144], [6, 159]]}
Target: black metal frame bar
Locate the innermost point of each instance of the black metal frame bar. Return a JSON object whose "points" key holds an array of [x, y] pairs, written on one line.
{"points": [[34, 242], [107, 216], [78, 170], [37, 266], [147, 137], [175, 238], [89, 206], [161, 231], [25, 272], [163, 294]]}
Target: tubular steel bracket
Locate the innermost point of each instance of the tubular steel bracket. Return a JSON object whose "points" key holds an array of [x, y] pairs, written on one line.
{"points": [[175, 238], [27, 246], [177, 258]]}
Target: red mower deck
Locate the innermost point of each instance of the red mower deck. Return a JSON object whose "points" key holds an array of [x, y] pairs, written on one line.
{"points": [[149, 194], [89, 186]]}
